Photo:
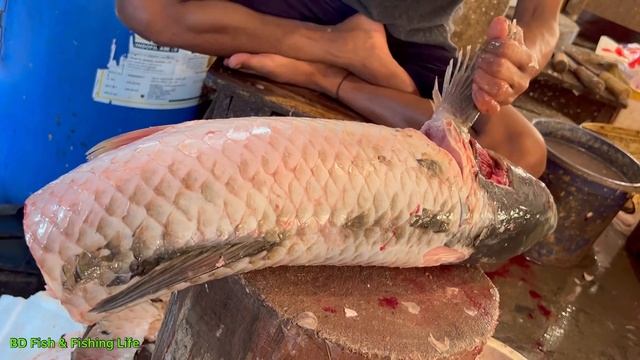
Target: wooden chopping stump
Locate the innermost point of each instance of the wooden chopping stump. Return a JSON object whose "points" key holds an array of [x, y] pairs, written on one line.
{"points": [[333, 313]]}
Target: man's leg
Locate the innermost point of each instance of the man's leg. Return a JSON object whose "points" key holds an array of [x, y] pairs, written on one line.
{"points": [[224, 28]]}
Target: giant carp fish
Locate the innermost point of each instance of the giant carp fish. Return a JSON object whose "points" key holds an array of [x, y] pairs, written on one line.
{"points": [[164, 208]]}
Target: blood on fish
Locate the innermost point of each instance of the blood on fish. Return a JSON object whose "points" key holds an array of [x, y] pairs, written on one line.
{"points": [[544, 311], [535, 295], [490, 168], [329, 309], [383, 246], [530, 315], [389, 302]]}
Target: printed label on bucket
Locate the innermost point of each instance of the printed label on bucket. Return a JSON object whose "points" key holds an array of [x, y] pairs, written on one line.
{"points": [[150, 76]]}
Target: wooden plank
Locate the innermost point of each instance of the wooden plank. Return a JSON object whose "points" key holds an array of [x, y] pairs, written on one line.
{"points": [[622, 12], [573, 8], [443, 313]]}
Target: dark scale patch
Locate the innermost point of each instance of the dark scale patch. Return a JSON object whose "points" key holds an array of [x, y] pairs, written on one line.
{"points": [[87, 267], [430, 165], [384, 160], [437, 223], [69, 278], [355, 223], [119, 279]]}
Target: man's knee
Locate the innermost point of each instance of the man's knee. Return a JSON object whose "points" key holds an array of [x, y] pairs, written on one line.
{"points": [[535, 147], [512, 135]]}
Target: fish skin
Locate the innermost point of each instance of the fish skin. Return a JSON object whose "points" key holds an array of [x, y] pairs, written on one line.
{"points": [[204, 182]]}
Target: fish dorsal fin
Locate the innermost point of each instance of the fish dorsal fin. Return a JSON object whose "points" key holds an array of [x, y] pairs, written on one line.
{"points": [[456, 96], [121, 140], [182, 268]]}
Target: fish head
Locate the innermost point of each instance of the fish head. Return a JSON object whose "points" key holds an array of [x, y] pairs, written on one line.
{"points": [[523, 210], [511, 210], [515, 209]]}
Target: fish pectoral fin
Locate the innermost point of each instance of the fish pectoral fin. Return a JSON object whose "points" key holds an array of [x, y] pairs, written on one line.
{"points": [[182, 268], [121, 140]]}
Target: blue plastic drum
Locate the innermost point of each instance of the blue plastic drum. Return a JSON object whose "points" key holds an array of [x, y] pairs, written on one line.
{"points": [[71, 75]]}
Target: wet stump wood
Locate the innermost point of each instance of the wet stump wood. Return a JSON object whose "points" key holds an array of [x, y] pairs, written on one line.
{"points": [[333, 313]]}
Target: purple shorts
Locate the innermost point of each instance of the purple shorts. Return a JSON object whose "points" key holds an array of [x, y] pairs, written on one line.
{"points": [[423, 62]]}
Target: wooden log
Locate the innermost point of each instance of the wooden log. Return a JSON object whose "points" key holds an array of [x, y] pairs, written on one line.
{"points": [[560, 62], [333, 313]]}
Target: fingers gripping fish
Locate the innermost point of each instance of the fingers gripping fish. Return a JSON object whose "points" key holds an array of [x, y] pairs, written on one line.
{"points": [[161, 209]]}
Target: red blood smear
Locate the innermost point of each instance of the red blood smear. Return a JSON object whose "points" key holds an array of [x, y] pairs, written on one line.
{"points": [[635, 63], [388, 302], [520, 261], [619, 51], [535, 295], [504, 270], [530, 315], [383, 246], [544, 311], [329, 309]]}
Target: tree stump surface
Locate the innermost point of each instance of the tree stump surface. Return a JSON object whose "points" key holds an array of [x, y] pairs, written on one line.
{"points": [[333, 313]]}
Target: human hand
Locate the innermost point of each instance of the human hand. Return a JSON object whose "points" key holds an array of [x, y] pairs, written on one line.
{"points": [[504, 68]]}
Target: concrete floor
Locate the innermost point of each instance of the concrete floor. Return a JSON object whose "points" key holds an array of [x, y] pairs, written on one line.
{"points": [[590, 311]]}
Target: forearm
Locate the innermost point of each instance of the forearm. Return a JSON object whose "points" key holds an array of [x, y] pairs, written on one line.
{"points": [[221, 28], [539, 20], [379, 104]]}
